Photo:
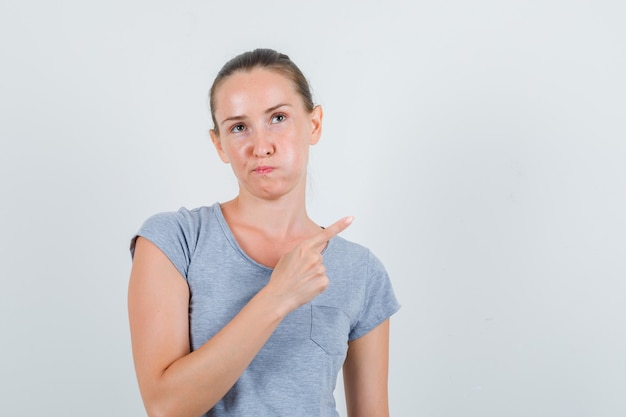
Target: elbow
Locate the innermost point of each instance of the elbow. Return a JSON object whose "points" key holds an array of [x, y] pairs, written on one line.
{"points": [[154, 410], [163, 408], [171, 407]]}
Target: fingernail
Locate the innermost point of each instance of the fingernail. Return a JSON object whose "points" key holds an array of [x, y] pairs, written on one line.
{"points": [[349, 219]]}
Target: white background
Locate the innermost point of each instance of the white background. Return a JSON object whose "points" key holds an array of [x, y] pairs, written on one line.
{"points": [[481, 146]]}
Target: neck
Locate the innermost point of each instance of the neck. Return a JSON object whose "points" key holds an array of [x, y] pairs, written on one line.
{"points": [[282, 217]]}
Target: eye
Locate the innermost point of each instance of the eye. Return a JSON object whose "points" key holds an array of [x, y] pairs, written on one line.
{"points": [[278, 118], [238, 128]]}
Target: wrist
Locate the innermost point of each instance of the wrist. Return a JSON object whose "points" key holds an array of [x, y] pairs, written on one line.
{"points": [[274, 306]]}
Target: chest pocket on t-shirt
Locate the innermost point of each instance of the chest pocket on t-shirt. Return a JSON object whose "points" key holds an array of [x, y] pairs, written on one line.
{"points": [[330, 327]]}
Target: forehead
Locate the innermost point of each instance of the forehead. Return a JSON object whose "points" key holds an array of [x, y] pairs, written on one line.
{"points": [[256, 90]]}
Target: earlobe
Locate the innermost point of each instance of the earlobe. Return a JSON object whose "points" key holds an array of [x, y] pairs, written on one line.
{"points": [[215, 138], [316, 124]]}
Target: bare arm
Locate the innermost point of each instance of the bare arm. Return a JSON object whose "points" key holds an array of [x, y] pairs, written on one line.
{"points": [[365, 374], [177, 382]]}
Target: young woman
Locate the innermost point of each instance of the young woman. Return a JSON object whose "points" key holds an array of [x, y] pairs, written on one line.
{"points": [[248, 307]]}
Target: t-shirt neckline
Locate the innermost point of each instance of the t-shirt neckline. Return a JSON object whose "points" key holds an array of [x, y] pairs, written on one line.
{"points": [[228, 233]]}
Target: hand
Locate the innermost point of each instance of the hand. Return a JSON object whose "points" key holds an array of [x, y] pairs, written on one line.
{"points": [[300, 274]]}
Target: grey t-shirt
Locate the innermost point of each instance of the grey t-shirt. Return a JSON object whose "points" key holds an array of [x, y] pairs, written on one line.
{"points": [[295, 373]]}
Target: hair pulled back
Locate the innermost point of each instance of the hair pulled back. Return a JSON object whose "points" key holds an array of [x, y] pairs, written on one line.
{"points": [[265, 59]]}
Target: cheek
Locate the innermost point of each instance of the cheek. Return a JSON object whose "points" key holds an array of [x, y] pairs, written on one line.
{"points": [[299, 156], [297, 147], [235, 153]]}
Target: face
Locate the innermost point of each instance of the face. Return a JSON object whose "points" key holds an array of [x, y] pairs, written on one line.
{"points": [[264, 132]]}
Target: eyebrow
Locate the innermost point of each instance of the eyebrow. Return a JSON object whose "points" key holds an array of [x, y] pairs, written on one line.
{"points": [[276, 107], [270, 110]]}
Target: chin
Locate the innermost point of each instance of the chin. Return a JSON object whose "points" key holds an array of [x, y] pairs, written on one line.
{"points": [[272, 193]]}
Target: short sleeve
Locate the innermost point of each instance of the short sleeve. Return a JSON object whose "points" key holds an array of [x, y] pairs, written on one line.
{"points": [[174, 233], [380, 301]]}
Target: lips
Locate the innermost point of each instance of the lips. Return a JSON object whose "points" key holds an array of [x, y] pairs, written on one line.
{"points": [[263, 169]]}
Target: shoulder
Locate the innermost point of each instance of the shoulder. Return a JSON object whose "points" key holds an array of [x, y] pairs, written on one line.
{"points": [[345, 251], [183, 220], [182, 216], [176, 233], [183, 225], [344, 246]]}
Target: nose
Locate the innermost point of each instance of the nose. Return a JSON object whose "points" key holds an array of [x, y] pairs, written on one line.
{"points": [[262, 145]]}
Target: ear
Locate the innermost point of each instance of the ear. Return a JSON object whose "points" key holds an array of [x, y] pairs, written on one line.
{"points": [[316, 124], [215, 138]]}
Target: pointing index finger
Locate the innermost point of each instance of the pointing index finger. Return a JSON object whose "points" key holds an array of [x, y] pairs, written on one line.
{"points": [[332, 230]]}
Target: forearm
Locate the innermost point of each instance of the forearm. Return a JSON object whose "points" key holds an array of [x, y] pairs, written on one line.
{"points": [[193, 384]]}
